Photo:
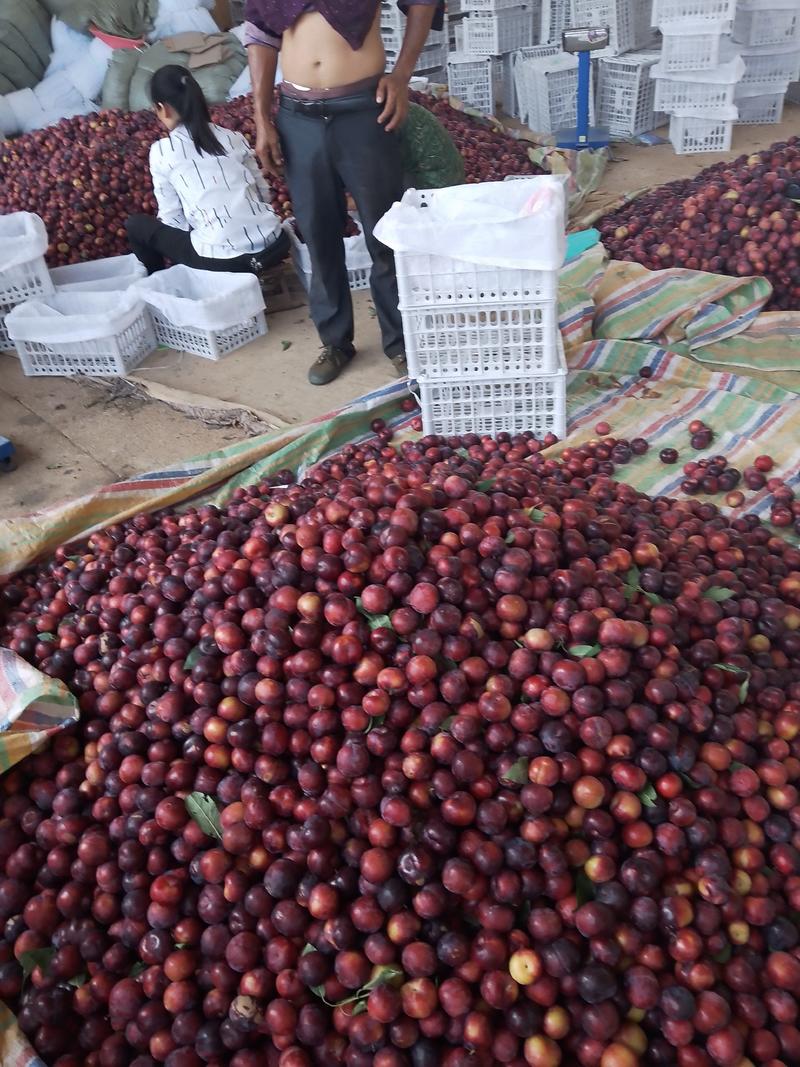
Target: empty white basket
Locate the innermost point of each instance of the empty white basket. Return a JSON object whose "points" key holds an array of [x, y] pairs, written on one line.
{"points": [[547, 89], [767, 22], [618, 15], [689, 47], [23, 271], [491, 406], [357, 258], [762, 109], [626, 94], [205, 313], [475, 80], [493, 34], [690, 134], [114, 274], [767, 70], [673, 11], [702, 93], [102, 334]]}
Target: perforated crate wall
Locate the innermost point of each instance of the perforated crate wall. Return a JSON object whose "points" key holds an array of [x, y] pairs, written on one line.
{"points": [[556, 17], [626, 95], [767, 72], [488, 6], [548, 93], [426, 281], [523, 88], [492, 35], [104, 357], [476, 80], [20, 283], [684, 52], [538, 404], [618, 15], [763, 26], [702, 98], [644, 35], [690, 134], [210, 344], [757, 110], [393, 27], [672, 11]]}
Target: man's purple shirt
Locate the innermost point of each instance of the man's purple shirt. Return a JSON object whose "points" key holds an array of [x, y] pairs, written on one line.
{"points": [[267, 20]]}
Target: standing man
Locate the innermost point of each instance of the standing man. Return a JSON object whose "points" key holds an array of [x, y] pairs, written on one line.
{"points": [[336, 132]]}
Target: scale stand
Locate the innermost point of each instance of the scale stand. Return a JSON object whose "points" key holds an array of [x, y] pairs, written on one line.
{"points": [[583, 42]]}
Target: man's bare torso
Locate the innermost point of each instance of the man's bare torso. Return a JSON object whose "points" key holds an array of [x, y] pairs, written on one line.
{"points": [[315, 56]]}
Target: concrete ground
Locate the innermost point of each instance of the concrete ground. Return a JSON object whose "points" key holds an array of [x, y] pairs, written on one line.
{"points": [[72, 436]]}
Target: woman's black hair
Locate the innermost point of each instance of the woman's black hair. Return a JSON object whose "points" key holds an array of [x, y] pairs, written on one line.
{"points": [[175, 86]]}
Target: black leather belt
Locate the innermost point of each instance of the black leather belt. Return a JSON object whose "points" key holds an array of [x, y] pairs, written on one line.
{"points": [[324, 109]]}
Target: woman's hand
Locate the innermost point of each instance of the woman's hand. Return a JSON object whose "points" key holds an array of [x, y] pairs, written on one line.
{"points": [[268, 149]]}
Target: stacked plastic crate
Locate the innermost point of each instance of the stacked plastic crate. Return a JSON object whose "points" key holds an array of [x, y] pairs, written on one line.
{"points": [[488, 32], [626, 95], [482, 340], [696, 43], [432, 62], [767, 32]]}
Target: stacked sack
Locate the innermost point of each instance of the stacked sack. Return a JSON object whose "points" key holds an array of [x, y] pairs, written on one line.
{"points": [[697, 73], [481, 321]]}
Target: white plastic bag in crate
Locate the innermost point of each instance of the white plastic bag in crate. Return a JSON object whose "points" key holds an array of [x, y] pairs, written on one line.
{"points": [[22, 237], [114, 274], [73, 317], [202, 299], [500, 224]]}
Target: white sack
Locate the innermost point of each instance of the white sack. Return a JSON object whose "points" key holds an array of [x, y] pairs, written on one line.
{"points": [[22, 237]]}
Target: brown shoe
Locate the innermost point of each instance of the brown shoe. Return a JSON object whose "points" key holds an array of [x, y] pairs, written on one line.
{"points": [[329, 365]]}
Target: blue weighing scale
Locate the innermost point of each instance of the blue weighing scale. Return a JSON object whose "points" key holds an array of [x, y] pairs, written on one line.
{"points": [[582, 42]]}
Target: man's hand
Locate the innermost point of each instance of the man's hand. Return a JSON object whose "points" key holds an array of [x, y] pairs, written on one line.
{"points": [[393, 94], [268, 150]]}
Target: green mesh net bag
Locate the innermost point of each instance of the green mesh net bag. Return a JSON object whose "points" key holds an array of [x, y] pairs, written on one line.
{"points": [[430, 158]]}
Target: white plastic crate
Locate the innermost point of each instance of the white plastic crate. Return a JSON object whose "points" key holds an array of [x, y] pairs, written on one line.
{"points": [[359, 261], [210, 344], [100, 334], [114, 274], [393, 27], [476, 80], [488, 6], [764, 109], [793, 92], [426, 281], [776, 22], [481, 341], [767, 70], [702, 93], [547, 92], [555, 18], [677, 11], [490, 406], [492, 35], [698, 48], [690, 134], [617, 15], [626, 94], [644, 35], [432, 57]]}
